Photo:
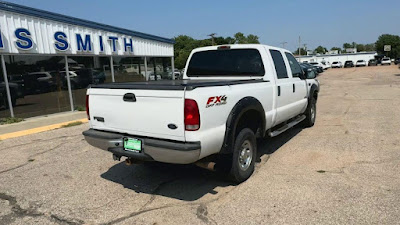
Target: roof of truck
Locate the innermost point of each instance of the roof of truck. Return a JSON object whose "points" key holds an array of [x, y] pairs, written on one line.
{"points": [[236, 46]]}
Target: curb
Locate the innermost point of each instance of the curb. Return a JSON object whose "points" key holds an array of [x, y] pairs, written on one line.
{"points": [[38, 129]]}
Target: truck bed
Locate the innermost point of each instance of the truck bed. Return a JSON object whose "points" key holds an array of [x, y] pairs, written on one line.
{"points": [[174, 84]]}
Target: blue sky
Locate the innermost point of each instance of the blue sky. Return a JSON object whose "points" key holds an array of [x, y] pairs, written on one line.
{"points": [[318, 22]]}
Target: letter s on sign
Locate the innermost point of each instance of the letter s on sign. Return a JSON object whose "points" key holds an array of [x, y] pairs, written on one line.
{"points": [[61, 41], [24, 41]]}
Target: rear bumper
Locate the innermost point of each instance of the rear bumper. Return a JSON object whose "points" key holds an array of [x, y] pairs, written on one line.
{"points": [[153, 149]]}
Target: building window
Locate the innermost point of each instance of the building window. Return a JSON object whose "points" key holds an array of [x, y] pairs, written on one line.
{"points": [[36, 85], [84, 71], [129, 69]]}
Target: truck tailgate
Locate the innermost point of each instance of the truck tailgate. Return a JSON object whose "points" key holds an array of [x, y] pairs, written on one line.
{"points": [[150, 113]]}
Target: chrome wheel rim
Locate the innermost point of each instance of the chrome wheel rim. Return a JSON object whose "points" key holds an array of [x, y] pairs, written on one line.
{"points": [[245, 155]]}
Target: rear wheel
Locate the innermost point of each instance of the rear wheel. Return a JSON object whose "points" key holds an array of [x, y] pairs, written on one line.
{"points": [[244, 156]]}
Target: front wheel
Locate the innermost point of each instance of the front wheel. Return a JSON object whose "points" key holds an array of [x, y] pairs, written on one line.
{"points": [[244, 156], [311, 113]]}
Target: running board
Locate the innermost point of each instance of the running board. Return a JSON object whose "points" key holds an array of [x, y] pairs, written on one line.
{"points": [[286, 126]]}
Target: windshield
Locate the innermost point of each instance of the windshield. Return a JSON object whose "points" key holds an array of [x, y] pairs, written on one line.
{"points": [[232, 62]]}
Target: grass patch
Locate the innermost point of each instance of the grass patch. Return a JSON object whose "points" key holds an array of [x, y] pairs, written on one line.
{"points": [[80, 108], [10, 120], [321, 171], [76, 123]]}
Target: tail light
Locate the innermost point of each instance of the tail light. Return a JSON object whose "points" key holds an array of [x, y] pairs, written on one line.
{"points": [[87, 107], [192, 115]]}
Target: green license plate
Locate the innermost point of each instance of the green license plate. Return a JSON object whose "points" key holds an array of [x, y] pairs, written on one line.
{"points": [[132, 144]]}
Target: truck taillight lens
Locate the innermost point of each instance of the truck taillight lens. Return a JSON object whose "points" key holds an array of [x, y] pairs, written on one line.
{"points": [[192, 115], [87, 107]]}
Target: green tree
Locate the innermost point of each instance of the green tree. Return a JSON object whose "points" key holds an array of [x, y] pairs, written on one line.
{"points": [[320, 50], [360, 48], [336, 48], [370, 47], [252, 39], [240, 38], [347, 45], [302, 51], [388, 39]]}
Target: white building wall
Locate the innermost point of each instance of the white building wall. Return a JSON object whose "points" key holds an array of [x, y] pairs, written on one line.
{"points": [[42, 35]]}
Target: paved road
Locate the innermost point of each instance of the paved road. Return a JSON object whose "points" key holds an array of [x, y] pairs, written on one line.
{"points": [[344, 170]]}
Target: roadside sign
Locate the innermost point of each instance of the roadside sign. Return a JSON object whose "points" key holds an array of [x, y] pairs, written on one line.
{"points": [[387, 48]]}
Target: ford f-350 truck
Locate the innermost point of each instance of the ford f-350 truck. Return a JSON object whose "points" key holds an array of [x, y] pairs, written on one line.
{"points": [[229, 96]]}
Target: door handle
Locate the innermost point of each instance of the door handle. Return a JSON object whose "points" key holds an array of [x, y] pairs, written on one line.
{"points": [[279, 90], [294, 88], [129, 97]]}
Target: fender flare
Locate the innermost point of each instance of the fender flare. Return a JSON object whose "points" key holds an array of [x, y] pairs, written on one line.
{"points": [[314, 88], [241, 107]]}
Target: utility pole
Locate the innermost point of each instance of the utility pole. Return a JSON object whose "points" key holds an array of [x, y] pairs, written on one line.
{"points": [[299, 45], [212, 38], [283, 44]]}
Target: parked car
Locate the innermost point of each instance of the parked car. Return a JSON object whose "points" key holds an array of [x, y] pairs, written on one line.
{"points": [[348, 63], [397, 61], [386, 61], [337, 64], [326, 65], [210, 115], [315, 68], [39, 82], [319, 68], [372, 62], [361, 63], [14, 91], [319, 65], [308, 71]]}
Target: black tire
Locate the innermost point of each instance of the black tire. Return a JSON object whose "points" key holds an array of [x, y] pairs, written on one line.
{"points": [[311, 113], [243, 167]]}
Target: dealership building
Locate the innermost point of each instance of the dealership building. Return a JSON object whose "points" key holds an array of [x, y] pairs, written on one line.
{"points": [[48, 60]]}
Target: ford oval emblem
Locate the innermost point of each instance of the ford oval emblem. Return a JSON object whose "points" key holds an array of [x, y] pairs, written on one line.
{"points": [[172, 126]]}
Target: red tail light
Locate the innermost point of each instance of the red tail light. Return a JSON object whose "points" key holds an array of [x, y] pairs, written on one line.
{"points": [[192, 115], [87, 107]]}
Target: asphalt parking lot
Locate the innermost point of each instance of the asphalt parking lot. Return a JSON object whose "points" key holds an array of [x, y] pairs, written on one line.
{"points": [[344, 170]]}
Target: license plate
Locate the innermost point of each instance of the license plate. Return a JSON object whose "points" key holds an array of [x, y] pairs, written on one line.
{"points": [[132, 144]]}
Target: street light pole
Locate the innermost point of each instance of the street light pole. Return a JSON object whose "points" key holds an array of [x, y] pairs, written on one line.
{"points": [[212, 38]]}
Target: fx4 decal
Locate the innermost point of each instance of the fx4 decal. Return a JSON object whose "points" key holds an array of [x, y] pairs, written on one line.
{"points": [[216, 101]]}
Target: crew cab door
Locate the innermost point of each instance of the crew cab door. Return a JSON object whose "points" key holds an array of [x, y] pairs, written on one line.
{"points": [[299, 96], [284, 84]]}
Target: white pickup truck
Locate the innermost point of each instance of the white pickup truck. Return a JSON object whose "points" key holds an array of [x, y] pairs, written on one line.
{"points": [[229, 96]]}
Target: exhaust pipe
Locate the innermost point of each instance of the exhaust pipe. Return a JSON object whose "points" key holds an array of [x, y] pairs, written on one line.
{"points": [[130, 161], [206, 165]]}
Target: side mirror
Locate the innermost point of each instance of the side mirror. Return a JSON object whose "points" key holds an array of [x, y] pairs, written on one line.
{"points": [[303, 75], [311, 74]]}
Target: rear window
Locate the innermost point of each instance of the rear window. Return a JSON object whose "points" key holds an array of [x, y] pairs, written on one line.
{"points": [[313, 63], [232, 62], [360, 60]]}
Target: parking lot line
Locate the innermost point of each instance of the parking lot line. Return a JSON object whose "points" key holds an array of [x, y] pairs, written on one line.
{"points": [[38, 129]]}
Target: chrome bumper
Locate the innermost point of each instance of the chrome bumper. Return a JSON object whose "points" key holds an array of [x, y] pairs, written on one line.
{"points": [[153, 149]]}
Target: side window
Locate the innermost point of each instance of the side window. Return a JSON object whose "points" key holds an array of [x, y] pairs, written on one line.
{"points": [[294, 65], [280, 66]]}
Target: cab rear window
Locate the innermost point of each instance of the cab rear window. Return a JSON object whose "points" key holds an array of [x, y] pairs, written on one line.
{"points": [[227, 62]]}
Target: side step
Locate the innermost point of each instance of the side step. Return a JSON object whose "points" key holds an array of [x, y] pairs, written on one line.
{"points": [[287, 126]]}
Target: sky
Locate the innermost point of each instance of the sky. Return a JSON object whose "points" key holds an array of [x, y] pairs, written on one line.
{"points": [[317, 22]]}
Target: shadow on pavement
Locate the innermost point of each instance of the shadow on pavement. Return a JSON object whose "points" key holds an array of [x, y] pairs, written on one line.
{"points": [[183, 182]]}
